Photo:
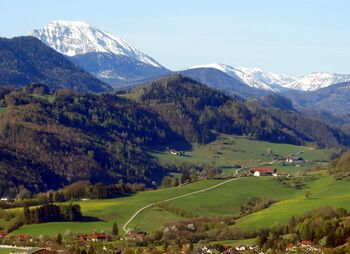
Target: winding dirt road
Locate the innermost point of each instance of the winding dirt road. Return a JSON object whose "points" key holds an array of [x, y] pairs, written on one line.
{"points": [[174, 198]]}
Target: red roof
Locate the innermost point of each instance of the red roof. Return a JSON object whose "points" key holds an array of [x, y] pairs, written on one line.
{"points": [[262, 169], [305, 242], [2, 234]]}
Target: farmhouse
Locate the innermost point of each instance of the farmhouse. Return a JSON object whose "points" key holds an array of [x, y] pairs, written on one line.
{"points": [[138, 236], [95, 237], [263, 172], [292, 159], [178, 153]]}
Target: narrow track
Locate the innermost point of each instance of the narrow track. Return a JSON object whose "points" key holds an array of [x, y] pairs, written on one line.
{"points": [[174, 198]]}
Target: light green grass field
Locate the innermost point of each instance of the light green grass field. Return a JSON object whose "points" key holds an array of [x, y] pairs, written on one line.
{"points": [[223, 201], [230, 150], [6, 250], [2, 111], [118, 210]]}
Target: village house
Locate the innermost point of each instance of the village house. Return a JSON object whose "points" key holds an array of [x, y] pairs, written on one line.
{"points": [[3, 234], [138, 236], [95, 237], [23, 237], [263, 172], [4, 199], [178, 153], [291, 159]]}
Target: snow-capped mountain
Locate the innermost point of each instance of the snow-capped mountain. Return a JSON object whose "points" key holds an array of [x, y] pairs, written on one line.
{"points": [[109, 58], [257, 78], [317, 80], [253, 77]]}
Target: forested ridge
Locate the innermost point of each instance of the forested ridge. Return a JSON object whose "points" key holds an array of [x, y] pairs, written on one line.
{"points": [[52, 140]]}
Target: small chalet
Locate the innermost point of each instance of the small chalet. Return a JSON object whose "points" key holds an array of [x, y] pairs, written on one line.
{"points": [[95, 237], [23, 237], [263, 172], [305, 243], [178, 153], [138, 236], [3, 234]]}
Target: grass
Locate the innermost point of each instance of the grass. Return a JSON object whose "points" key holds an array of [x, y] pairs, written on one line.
{"points": [[230, 150], [7, 250], [325, 192], [49, 97], [223, 201], [2, 111], [113, 210]]}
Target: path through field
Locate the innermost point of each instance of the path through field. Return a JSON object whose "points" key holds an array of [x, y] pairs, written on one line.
{"points": [[174, 198]]}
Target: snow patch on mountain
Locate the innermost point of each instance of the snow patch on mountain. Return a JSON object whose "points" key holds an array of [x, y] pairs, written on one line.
{"points": [[317, 80], [77, 37], [253, 77]]}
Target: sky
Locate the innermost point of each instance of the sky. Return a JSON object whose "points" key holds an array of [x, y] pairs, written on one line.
{"points": [[293, 37]]}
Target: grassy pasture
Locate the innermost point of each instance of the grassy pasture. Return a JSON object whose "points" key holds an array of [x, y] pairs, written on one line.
{"points": [[230, 150]]}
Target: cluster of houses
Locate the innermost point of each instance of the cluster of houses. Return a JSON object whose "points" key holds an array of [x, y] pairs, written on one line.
{"points": [[267, 172], [228, 249], [94, 237], [304, 246]]}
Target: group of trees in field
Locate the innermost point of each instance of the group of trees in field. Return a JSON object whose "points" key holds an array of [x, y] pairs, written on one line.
{"points": [[52, 213], [325, 226], [76, 191]]}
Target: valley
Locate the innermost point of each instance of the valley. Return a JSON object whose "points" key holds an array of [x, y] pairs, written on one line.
{"points": [[105, 150]]}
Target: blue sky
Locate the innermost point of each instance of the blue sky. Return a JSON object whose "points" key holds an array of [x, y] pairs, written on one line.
{"points": [[285, 36]]}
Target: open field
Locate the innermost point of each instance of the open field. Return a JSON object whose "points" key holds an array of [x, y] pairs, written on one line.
{"points": [[230, 150], [2, 111], [223, 201], [119, 210]]}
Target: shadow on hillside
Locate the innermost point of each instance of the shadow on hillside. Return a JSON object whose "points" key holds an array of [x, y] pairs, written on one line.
{"points": [[91, 219]]}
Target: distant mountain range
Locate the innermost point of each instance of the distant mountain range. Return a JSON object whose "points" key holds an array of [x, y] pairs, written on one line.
{"points": [[107, 57], [25, 60], [118, 63], [260, 79]]}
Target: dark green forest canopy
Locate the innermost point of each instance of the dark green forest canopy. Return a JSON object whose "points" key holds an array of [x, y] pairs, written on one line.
{"points": [[46, 144], [26, 59]]}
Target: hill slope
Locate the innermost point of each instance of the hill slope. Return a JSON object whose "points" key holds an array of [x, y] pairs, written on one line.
{"points": [[333, 99], [25, 60], [99, 138], [220, 80], [193, 110]]}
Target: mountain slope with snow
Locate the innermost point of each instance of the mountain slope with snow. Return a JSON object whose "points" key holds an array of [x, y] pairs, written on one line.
{"points": [[316, 81], [253, 77], [113, 59], [257, 78]]}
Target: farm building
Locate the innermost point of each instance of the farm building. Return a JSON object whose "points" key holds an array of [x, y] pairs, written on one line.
{"points": [[179, 153], [95, 237], [263, 172]]}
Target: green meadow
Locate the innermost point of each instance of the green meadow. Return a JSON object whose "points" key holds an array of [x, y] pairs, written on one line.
{"points": [[222, 201], [2, 111], [230, 150]]}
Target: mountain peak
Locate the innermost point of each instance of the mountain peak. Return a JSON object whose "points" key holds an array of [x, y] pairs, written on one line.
{"points": [[78, 37]]}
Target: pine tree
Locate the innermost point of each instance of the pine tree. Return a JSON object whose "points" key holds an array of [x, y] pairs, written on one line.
{"points": [[27, 217], [115, 229], [59, 239]]}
